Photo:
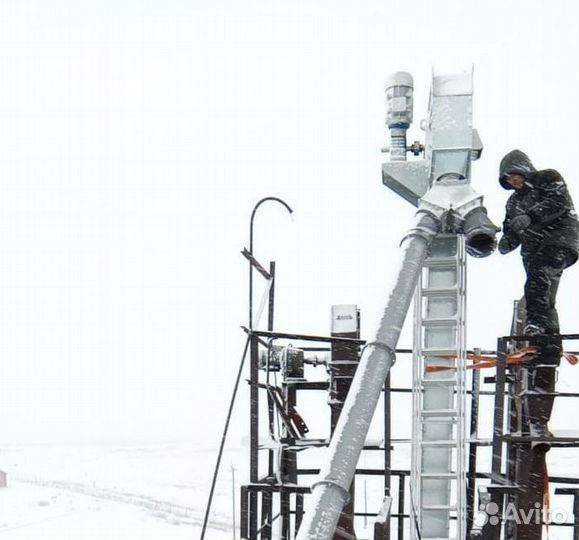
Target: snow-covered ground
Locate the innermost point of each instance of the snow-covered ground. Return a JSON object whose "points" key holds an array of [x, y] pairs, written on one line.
{"points": [[146, 492], [114, 492], [153, 492]]}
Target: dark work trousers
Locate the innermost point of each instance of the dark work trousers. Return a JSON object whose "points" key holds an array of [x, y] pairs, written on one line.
{"points": [[544, 269]]}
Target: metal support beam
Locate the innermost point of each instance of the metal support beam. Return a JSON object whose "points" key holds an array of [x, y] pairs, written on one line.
{"points": [[471, 479]]}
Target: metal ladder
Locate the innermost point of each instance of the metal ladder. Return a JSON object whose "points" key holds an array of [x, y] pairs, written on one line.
{"points": [[438, 473]]}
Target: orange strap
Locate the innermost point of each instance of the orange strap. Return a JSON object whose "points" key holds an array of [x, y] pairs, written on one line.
{"points": [[480, 361]]}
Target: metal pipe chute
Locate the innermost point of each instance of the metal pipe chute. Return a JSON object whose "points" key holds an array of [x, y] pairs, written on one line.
{"points": [[330, 492]]}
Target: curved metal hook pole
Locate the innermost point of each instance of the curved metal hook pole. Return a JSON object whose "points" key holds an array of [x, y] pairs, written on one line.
{"points": [[258, 204], [241, 365]]}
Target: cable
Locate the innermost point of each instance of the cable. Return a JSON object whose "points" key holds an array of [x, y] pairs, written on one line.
{"points": [[223, 437]]}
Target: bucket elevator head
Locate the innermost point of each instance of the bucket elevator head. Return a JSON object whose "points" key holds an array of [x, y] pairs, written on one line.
{"points": [[440, 182]]}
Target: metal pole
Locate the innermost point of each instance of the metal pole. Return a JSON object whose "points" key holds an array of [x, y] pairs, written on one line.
{"points": [[254, 413], [471, 481], [401, 502], [344, 360], [365, 502], [259, 203], [233, 499], [270, 411], [331, 490]]}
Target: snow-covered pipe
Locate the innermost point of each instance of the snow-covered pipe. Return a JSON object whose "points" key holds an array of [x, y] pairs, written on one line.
{"points": [[330, 491]]}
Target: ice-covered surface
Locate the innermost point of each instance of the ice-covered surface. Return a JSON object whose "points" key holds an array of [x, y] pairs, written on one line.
{"points": [[452, 85], [154, 492], [114, 492]]}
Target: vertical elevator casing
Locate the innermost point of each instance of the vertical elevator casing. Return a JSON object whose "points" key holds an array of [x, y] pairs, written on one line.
{"points": [[438, 479]]}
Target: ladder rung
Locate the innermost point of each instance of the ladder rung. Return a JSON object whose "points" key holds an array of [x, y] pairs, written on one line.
{"points": [[441, 261], [445, 420], [439, 507], [439, 352], [439, 322], [480, 442], [440, 443], [439, 291], [439, 413], [434, 382]]}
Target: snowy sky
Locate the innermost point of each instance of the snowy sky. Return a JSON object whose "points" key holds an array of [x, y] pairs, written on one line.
{"points": [[135, 138]]}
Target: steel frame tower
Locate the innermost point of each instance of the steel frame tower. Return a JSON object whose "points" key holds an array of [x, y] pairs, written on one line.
{"points": [[450, 222]]}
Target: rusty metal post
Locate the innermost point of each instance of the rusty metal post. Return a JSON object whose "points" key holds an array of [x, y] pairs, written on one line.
{"points": [[342, 368]]}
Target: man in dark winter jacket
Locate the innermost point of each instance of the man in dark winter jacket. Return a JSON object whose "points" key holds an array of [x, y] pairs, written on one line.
{"points": [[540, 217]]}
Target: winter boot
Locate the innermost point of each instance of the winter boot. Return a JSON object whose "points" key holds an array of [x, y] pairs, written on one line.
{"points": [[538, 430], [539, 402]]}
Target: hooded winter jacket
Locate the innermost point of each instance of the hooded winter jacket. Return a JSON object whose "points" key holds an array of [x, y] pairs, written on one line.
{"points": [[546, 200]]}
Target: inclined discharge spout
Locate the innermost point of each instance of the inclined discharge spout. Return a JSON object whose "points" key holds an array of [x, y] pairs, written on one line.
{"points": [[330, 491], [480, 233]]}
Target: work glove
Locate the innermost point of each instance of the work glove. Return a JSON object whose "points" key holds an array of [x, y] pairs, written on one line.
{"points": [[520, 223], [507, 244]]}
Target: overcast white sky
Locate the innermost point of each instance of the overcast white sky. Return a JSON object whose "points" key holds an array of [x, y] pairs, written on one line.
{"points": [[136, 136]]}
